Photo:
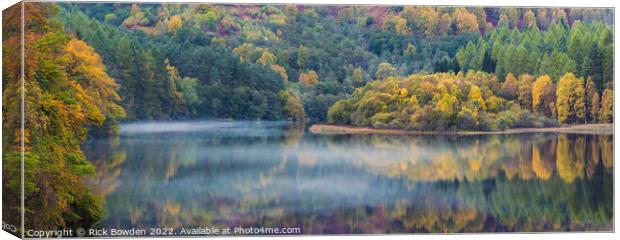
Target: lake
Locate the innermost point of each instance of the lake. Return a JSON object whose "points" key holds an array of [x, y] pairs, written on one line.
{"points": [[278, 174]]}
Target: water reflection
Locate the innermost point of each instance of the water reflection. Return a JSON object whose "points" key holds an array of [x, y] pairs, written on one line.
{"points": [[228, 174]]}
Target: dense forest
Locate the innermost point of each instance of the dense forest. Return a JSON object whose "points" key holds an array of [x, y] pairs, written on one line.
{"points": [[293, 62], [89, 66]]}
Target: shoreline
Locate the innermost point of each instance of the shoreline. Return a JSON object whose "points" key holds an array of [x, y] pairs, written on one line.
{"points": [[602, 128]]}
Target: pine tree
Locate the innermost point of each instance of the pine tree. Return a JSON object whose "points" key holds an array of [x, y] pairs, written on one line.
{"points": [[488, 64]]}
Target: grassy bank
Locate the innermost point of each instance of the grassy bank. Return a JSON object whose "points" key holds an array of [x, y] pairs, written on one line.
{"points": [[346, 129]]}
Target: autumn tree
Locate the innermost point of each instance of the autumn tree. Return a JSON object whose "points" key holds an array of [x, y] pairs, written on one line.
{"points": [[247, 52], [465, 21], [512, 16], [475, 98], [137, 17], [592, 101], [267, 58], [538, 90], [174, 24], [396, 24], [280, 70], [422, 20], [85, 67], [558, 16], [606, 114], [309, 79], [570, 94], [529, 19], [443, 26]]}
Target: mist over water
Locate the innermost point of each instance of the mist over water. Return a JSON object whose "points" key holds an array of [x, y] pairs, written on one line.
{"points": [[260, 173]]}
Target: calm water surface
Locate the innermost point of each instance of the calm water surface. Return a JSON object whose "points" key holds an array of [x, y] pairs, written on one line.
{"points": [[277, 174]]}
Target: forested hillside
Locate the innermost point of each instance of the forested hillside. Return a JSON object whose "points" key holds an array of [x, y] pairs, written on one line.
{"points": [[188, 61]]}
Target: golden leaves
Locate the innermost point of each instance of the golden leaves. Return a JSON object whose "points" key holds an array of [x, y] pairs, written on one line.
{"points": [[93, 85]]}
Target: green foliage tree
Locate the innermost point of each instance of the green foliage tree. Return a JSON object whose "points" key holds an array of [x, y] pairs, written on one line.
{"points": [[385, 70], [292, 106], [410, 51], [422, 20]]}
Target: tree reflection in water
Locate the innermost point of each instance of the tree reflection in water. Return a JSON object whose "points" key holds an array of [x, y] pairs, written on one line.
{"points": [[228, 174]]}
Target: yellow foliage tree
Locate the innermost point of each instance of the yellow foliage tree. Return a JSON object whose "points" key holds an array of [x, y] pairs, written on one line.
{"points": [[175, 23], [570, 95], [606, 114], [403, 92], [447, 104], [266, 58], [246, 51], [466, 21], [529, 19], [396, 24], [84, 66], [280, 70], [538, 89], [475, 96]]}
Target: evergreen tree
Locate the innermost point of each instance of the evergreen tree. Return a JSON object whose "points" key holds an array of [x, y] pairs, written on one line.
{"points": [[488, 64]]}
